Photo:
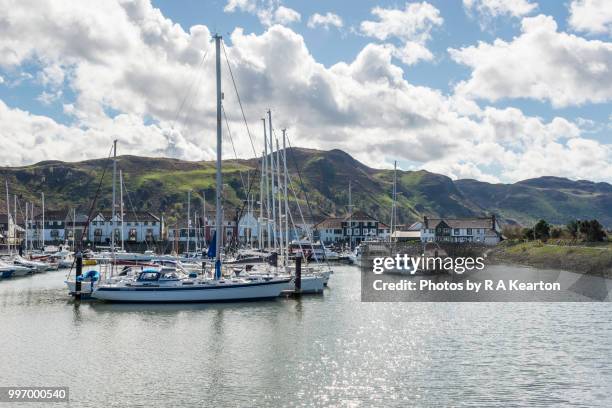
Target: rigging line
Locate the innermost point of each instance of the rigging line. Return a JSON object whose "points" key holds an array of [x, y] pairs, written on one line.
{"points": [[200, 65], [127, 193], [240, 209], [246, 124], [303, 187], [229, 134], [93, 206]]}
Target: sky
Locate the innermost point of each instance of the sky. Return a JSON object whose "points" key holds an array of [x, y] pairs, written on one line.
{"points": [[494, 90]]}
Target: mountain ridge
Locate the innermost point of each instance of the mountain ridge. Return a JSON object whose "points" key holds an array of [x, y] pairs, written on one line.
{"points": [[161, 185]]}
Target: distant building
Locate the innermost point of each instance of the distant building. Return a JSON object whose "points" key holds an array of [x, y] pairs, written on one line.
{"points": [[141, 226], [481, 230], [10, 232], [353, 228], [330, 230]]}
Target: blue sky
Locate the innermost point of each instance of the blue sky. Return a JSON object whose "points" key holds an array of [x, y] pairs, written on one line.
{"points": [[459, 108]]}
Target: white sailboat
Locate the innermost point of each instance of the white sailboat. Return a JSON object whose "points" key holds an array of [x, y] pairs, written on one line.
{"points": [[158, 286]]}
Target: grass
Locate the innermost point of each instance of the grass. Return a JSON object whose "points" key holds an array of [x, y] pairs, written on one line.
{"points": [[595, 259]]}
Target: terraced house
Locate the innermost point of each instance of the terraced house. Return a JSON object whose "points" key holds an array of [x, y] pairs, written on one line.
{"points": [[140, 226], [480, 230]]}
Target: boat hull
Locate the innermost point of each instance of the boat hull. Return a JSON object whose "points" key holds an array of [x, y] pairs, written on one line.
{"points": [[196, 293]]}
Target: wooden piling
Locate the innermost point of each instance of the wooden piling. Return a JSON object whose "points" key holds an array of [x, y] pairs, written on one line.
{"points": [[298, 274], [78, 273]]}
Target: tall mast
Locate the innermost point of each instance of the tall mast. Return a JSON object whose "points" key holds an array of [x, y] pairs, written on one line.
{"points": [[394, 198], [43, 219], [267, 182], [121, 206], [219, 215], [8, 218], [285, 194], [74, 228], [272, 179], [204, 214], [280, 198], [261, 189], [15, 221], [350, 222], [188, 221], [113, 212], [25, 224]]}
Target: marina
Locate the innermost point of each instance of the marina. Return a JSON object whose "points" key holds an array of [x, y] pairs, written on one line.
{"points": [[325, 350]]}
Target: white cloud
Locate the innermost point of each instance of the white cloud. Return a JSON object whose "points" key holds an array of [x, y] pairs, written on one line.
{"points": [[496, 8], [591, 16], [541, 63], [325, 21], [142, 70], [413, 23], [412, 26], [268, 12]]}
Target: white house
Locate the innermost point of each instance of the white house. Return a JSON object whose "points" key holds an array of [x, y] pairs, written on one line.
{"points": [[330, 230], [137, 227], [480, 230]]}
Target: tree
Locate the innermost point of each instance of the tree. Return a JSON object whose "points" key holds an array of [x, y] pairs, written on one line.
{"points": [[542, 230], [572, 228], [556, 232], [592, 231]]}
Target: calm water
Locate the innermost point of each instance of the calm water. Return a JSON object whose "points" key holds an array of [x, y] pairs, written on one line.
{"points": [[329, 350]]}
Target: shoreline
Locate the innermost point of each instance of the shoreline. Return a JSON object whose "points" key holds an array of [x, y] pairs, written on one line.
{"points": [[590, 260]]}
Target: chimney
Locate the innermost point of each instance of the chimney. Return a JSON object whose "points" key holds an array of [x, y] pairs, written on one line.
{"points": [[493, 222], [425, 222]]}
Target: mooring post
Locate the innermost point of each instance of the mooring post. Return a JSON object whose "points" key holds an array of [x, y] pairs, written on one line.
{"points": [[79, 272], [298, 274]]}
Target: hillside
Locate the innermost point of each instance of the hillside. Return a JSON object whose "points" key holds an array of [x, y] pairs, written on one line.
{"points": [[160, 185]]}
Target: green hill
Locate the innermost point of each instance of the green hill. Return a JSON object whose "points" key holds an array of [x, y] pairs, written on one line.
{"points": [[160, 185]]}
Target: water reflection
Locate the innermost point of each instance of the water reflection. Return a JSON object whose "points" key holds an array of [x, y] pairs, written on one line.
{"points": [[330, 350]]}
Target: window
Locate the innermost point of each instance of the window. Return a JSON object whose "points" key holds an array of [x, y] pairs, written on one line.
{"points": [[95, 222], [373, 231], [457, 231], [54, 233], [146, 223], [133, 236], [153, 223], [355, 231], [469, 231]]}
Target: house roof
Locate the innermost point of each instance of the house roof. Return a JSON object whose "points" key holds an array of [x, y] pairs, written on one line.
{"points": [[330, 222], [416, 226], [461, 222], [359, 216], [130, 216]]}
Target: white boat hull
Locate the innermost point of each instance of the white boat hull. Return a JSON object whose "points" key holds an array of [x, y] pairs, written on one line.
{"points": [[312, 284], [213, 292]]}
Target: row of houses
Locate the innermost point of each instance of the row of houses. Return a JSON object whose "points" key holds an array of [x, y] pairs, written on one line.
{"points": [[359, 226], [138, 227]]}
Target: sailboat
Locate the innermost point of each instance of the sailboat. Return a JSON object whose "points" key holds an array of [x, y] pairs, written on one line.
{"points": [[155, 285]]}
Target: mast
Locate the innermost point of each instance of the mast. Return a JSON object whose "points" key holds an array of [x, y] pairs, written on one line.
{"points": [[188, 221], [261, 189], [25, 224], [350, 222], [74, 229], [121, 206], [204, 215], [272, 180], [267, 182], [43, 220], [219, 210], [394, 198], [8, 218], [114, 196], [285, 194], [280, 198], [15, 222]]}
